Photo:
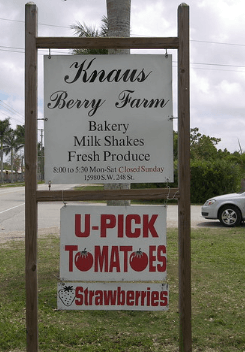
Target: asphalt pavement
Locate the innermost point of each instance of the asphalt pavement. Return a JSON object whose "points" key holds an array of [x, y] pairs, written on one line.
{"points": [[12, 215]]}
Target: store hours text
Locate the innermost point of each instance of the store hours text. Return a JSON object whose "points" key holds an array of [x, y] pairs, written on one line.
{"points": [[94, 173]]}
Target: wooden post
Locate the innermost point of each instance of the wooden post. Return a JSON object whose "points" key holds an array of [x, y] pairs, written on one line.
{"points": [[31, 176], [185, 344], [32, 196]]}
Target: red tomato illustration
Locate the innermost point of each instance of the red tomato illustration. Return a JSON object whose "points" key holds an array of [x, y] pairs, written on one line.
{"points": [[83, 260], [138, 260]]}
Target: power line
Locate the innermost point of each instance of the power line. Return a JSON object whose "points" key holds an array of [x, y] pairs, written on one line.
{"points": [[219, 43], [192, 63], [22, 50], [3, 113], [41, 24], [192, 40], [200, 41], [11, 117], [8, 107], [12, 111]]}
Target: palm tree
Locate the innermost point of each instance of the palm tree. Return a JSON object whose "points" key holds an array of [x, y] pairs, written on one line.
{"points": [[20, 133], [4, 129], [82, 30], [118, 14], [116, 24], [12, 144]]}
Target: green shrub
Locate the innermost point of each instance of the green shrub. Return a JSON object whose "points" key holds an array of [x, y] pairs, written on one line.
{"points": [[212, 178], [208, 179]]}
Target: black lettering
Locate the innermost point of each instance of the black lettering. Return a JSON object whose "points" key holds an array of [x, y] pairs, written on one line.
{"points": [[116, 75], [79, 71]]}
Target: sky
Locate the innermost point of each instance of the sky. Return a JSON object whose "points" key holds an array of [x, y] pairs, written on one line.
{"points": [[217, 56]]}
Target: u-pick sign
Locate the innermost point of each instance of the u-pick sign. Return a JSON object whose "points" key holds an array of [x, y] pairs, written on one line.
{"points": [[108, 118], [99, 243]]}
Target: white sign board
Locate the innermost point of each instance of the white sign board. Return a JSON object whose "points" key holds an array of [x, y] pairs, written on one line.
{"points": [[100, 243], [112, 296], [108, 118]]}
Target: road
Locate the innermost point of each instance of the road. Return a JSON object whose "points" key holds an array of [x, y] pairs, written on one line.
{"points": [[12, 214]]}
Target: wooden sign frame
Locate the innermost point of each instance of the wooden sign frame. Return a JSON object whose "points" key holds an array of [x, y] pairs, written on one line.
{"points": [[33, 196]]}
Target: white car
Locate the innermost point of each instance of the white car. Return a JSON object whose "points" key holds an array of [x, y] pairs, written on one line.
{"points": [[229, 209]]}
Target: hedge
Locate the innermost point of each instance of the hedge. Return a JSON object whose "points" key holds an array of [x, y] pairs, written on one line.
{"points": [[208, 179]]}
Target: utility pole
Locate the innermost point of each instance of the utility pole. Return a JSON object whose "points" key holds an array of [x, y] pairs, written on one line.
{"points": [[118, 14], [41, 155]]}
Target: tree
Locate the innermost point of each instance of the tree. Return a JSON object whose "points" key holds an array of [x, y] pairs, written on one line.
{"points": [[13, 143], [202, 146], [116, 24], [118, 14], [4, 129], [82, 30], [17, 159], [40, 154], [239, 159], [20, 133]]}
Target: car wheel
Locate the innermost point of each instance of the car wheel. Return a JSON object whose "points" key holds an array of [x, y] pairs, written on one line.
{"points": [[230, 216]]}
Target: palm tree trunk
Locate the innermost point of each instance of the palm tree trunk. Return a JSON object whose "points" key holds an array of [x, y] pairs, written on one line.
{"points": [[2, 179], [118, 14], [12, 165]]}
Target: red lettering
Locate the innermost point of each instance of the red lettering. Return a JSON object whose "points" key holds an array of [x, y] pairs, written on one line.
{"points": [[120, 225], [120, 296], [161, 257], [130, 298], [143, 295], [164, 298], [91, 295], [137, 296], [148, 293], [114, 260], [101, 259], [154, 298], [78, 231], [98, 298], [129, 219], [148, 225], [71, 249], [125, 226], [86, 296], [125, 250], [79, 296], [107, 221], [110, 297], [152, 258]]}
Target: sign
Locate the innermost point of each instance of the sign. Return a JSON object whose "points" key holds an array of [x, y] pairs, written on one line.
{"points": [[100, 243], [108, 119], [112, 296]]}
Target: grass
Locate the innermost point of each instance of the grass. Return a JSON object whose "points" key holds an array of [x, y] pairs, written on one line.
{"points": [[218, 302], [17, 184]]}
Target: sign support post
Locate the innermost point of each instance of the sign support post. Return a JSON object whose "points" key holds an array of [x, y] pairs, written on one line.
{"points": [[33, 196], [184, 180], [31, 176]]}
